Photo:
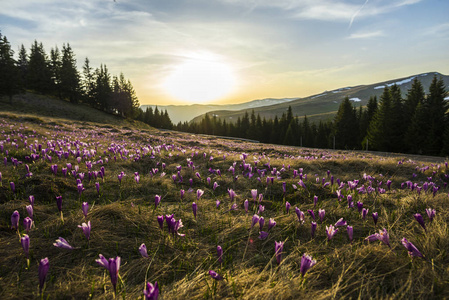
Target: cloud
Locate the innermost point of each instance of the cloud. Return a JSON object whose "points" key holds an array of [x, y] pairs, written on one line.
{"points": [[366, 35]]}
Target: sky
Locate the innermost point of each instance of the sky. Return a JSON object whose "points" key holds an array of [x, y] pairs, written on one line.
{"points": [[233, 51]]}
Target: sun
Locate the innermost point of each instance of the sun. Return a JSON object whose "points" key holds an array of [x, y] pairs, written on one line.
{"points": [[200, 80]]}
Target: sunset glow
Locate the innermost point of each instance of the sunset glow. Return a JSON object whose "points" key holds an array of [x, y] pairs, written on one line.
{"points": [[200, 81]]}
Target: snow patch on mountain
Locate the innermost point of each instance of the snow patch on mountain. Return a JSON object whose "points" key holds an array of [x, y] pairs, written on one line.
{"points": [[355, 99]]}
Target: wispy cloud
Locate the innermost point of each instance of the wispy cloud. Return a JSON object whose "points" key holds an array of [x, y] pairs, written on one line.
{"points": [[366, 35]]}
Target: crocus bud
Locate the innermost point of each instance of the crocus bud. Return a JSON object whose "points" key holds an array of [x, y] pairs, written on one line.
{"points": [[43, 270], [350, 232], [143, 250], [220, 254], [313, 229], [15, 217], [25, 241], [194, 209], [27, 224]]}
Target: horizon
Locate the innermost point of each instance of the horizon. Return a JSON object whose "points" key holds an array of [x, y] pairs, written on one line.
{"points": [[232, 52]]}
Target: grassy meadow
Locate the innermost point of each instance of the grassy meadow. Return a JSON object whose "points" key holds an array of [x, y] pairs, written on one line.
{"points": [[121, 171]]}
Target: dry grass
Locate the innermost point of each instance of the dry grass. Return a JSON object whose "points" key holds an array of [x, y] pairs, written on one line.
{"points": [[123, 217]]}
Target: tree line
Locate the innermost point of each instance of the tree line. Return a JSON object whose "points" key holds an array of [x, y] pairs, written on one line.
{"points": [[56, 74], [417, 124]]}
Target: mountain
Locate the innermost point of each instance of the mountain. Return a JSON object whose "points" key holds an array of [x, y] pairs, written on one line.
{"points": [[324, 106], [182, 113]]}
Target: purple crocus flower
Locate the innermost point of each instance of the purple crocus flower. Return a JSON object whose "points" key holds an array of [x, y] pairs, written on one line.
{"points": [[215, 275], [254, 220], [278, 248], [27, 224], [350, 232], [340, 222], [389, 184], [412, 250], [284, 188], [215, 185], [25, 241], [43, 270], [80, 188], [199, 193], [246, 205], [420, 220], [63, 244], [263, 235], [313, 229], [157, 200], [375, 217], [382, 236], [431, 213], [359, 206], [306, 263], [315, 201], [261, 222], [86, 229], [15, 217], [271, 223], [364, 213], [182, 193], [30, 210], [85, 208], [194, 209], [321, 214], [151, 292], [13, 186], [31, 200], [261, 209], [160, 220], [97, 185], [311, 213], [59, 203], [331, 231], [300, 215], [231, 194], [287, 206], [143, 250], [220, 254], [114, 267], [217, 203], [254, 194]]}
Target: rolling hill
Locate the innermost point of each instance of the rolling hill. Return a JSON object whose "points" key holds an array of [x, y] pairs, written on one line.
{"points": [[324, 106], [182, 113]]}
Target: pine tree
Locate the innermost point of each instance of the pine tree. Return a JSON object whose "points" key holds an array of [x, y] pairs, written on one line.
{"points": [[88, 83], [379, 136], [102, 91], [437, 110], [39, 76], [54, 67], [8, 71], [22, 64], [70, 79], [397, 124], [345, 126]]}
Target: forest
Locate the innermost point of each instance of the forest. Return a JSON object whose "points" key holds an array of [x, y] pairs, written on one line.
{"points": [[418, 123]]}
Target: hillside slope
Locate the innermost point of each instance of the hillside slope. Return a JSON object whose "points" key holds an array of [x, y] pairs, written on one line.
{"points": [[325, 105], [32, 105]]}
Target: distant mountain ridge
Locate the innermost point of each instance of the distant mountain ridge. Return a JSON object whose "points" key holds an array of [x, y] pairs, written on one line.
{"points": [[182, 113], [324, 106]]}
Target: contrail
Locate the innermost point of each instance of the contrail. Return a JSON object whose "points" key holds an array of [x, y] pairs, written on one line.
{"points": [[356, 13]]}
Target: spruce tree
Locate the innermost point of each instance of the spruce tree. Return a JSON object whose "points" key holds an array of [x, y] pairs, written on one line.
{"points": [[8, 71], [345, 126], [39, 76], [22, 65], [437, 110], [397, 124], [70, 79], [379, 136], [88, 84]]}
